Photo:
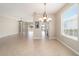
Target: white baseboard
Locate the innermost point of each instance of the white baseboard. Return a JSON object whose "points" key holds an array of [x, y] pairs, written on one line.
{"points": [[8, 35], [68, 46]]}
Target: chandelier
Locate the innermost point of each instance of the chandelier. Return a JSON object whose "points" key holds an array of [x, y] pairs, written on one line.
{"points": [[45, 17]]}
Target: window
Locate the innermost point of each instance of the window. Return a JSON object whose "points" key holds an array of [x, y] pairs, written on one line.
{"points": [[69, 22]]}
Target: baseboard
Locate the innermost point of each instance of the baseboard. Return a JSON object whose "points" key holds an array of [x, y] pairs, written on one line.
{"points": [[9, 35], [68, 46]]}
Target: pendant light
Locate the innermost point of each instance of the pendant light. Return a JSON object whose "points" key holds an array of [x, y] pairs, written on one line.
{"points": [[45, 17]]}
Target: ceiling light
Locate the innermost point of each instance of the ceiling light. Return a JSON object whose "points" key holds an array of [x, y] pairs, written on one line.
{"points": [[45, 18]]}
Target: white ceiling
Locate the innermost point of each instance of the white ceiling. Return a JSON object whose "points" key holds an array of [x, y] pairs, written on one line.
{"points": [[26, 10]]}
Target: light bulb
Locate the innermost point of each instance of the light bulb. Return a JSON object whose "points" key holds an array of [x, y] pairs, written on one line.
{"points": [[44, 17], [40, 19], [49, 19]]}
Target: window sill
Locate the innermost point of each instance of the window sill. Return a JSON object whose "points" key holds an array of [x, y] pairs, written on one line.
{"points": [[71, 37]]}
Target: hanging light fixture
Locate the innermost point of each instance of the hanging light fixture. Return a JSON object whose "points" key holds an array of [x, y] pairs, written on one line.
{"points": [[44, 14], [45, 18]]}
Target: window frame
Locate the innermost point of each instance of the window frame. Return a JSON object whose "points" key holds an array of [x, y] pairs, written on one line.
{"points": [[62, 25]]}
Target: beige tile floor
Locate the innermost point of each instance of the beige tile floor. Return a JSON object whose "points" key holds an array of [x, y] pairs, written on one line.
{"points": [[11, 46]]}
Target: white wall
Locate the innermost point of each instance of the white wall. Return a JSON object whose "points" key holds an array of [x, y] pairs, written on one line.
{"points": [[52, 27], [73, 44], [8, 26]]}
